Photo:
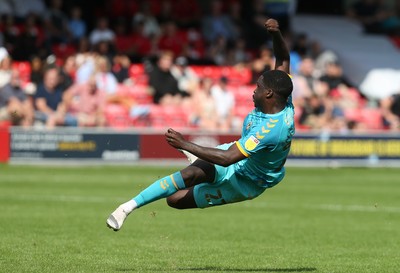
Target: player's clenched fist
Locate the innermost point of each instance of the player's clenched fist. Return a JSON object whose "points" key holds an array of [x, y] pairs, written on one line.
{"points": [[272, 25]]}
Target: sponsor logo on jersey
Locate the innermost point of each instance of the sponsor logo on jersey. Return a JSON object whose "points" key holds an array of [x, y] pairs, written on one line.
{"points": [[251, 143]]}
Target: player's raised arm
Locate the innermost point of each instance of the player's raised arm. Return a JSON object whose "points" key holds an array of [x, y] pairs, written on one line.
{"points": [[280, 48]]}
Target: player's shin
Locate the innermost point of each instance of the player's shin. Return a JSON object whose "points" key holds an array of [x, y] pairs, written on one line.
{"points": [[162, 188]]}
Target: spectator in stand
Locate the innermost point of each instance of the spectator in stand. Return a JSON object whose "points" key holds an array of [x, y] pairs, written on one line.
{"points": [[56, 24], [315, 113], [10, 33], [102, 32], [218, 24], [105, 80], [204, 107], [301, 45], [105, 49], [281, 10], [76, 25], [225, 102], [264, 62], [171, 39], [141, 45], [23, 8], [238, 53], [235, 16], [218, 51], [86, 65], [334, 76], [375, 17], [391, 111], [304, 83], [67, 72], [14, 103], [166, 13], [123, 37], [254, 16], [5, 67], [164, 85], [30, 40], [151, 27], [321, 56], [186, 77], [187, 13], [83, 45], [37, 68], [86, 103], [120, 68], [48, 102]]}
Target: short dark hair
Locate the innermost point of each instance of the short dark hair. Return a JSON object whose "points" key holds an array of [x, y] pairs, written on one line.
{"points": [[279, 82]]}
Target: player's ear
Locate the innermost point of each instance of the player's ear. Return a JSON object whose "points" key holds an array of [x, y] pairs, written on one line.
{"points": [[268, 93]]}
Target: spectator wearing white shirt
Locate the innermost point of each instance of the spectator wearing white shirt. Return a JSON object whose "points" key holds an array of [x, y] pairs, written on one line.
{"points": [[225, 101], [105, 80], [102, 32]]}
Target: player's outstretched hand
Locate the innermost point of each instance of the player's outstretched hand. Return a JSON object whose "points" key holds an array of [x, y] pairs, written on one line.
{"points": [[174, 138], [272, 25]]}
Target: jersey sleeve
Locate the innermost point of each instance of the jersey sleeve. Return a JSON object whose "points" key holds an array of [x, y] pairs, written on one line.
{"points": [[258, 138]]}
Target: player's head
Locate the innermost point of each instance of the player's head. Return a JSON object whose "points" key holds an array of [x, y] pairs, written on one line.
{"points": [[273, 85], [279, 82]]}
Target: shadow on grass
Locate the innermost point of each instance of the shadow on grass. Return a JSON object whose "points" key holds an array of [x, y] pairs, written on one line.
{"points": [[221, 269]]}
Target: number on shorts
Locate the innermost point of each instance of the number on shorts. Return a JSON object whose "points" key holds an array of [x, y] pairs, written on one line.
{"points": [[219, 197]]}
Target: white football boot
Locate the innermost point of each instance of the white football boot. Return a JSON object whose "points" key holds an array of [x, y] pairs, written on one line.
{"points": [[117, 218]]}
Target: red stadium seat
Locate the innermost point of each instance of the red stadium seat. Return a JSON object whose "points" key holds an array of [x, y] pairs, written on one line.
{"points": [[116, 116], [138, 74], [24, 69], [372, 117]]}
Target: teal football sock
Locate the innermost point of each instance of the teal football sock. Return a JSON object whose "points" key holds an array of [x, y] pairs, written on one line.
{"points": [[162, 188]]}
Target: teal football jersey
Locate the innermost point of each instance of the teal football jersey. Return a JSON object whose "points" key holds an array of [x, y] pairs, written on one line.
{"points": [[265, 141]]}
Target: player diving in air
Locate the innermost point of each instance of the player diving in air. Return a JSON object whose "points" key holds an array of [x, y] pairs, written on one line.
{"points": [[237, 171]]}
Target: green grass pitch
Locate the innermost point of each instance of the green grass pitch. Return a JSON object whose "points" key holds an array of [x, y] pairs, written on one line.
{"points": [[316, 220]]}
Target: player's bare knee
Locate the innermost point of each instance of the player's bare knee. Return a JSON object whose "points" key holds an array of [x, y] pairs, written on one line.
{"points": [[173, 202], [189, 175]]}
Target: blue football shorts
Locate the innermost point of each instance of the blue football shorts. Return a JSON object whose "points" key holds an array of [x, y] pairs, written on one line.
{"points": [[228, 187]]}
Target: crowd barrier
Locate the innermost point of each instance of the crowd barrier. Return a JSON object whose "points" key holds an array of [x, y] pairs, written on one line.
{"points": [[132, 146]]}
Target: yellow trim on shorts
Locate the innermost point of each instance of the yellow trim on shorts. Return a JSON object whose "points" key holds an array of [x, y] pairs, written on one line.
{"points": [[243, 151]]}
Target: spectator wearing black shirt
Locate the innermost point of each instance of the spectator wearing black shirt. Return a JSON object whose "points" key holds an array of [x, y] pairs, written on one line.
{"points": [[391, 111], [164, 84]]}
